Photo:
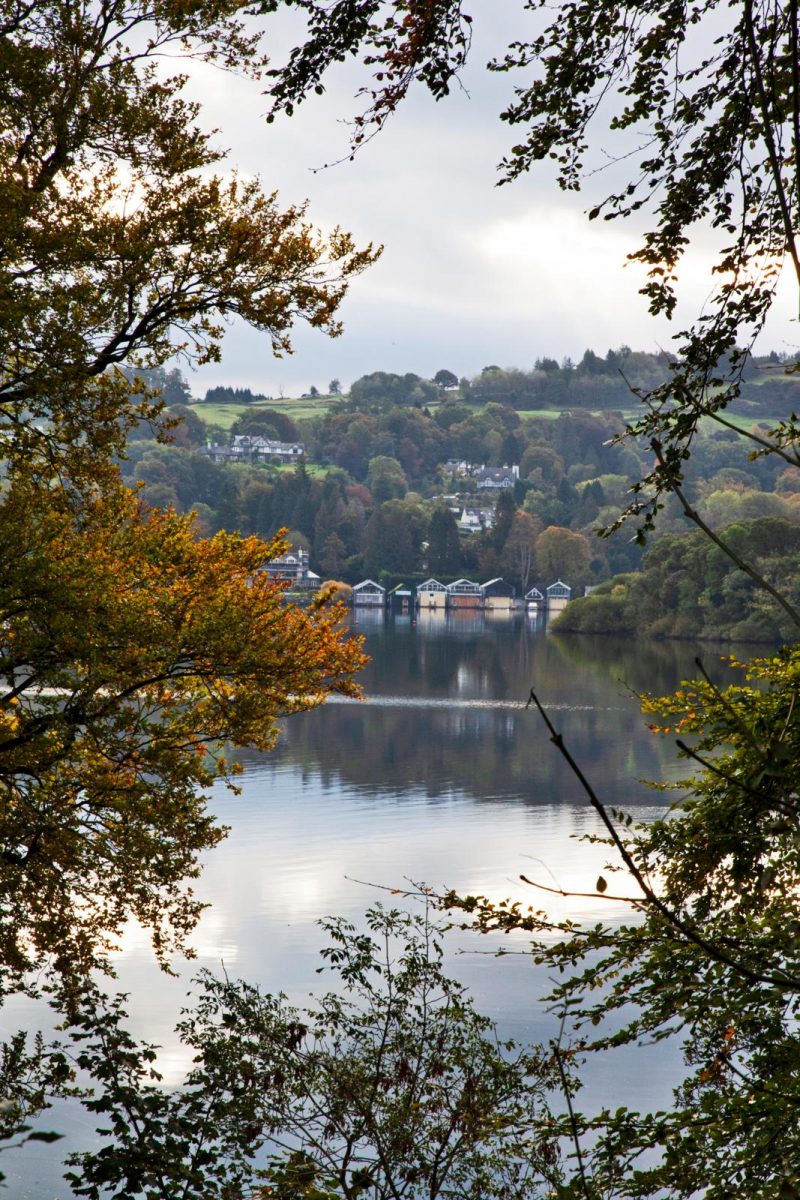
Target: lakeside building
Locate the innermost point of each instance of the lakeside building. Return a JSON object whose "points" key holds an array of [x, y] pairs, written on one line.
{"points": [[498, 596], [291, 568], [464, 594], [494, 596], [558, 596], [369, 594], [431, 594]]}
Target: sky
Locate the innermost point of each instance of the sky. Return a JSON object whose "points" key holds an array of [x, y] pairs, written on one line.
{"points": [[471, 274]]}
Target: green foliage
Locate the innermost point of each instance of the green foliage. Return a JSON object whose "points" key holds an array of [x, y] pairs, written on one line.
{"points": [[31, 1076], [709, 960], [688, 587], [444, 555], [386, 479], [381, 389], [392, 1085], [229, 395]]}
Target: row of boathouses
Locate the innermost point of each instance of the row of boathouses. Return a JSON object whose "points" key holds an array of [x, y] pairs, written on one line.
{"points": [[496, 595], [293, 570]]}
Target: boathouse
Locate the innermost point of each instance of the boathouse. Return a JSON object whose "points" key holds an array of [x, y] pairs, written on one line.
{"points": [[464, 594], [369, 594], [498, 596], [558, 595], [534, 598], [431, 594], [400, 599]]}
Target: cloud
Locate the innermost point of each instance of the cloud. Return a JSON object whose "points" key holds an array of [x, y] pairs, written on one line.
{"points": [[471, 273]]}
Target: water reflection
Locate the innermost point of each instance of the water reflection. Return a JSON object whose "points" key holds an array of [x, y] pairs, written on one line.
{"points": [[441, 776]]}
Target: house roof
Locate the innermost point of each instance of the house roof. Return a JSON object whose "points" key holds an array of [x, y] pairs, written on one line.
{"points": [[460, 583], [495, 473]]}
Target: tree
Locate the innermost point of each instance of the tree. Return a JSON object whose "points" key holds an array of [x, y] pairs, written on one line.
{"points": [[518, 558], [171, 385], [386, 479], [392, 1085], [89, 279], [392, 539], [131, 650], [334, 387], [445, 379], [333, 556], [267, 422], [132, 653], [562, 554], [709, 958], [444, 544]]}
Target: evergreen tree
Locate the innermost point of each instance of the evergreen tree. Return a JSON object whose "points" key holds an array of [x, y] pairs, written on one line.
{"points": [[444, 544]]}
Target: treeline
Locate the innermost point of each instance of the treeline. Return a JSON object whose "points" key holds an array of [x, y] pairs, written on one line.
{"points": [[382, 489], [689, 587], [598, 383], [594, 382]]}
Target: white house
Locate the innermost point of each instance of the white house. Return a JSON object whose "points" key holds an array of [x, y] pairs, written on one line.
{"points": [[496, 478], [431, 594], [369, 594]]}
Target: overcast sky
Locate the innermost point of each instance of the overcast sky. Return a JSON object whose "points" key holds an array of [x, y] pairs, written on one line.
{"points": [[471, 273]]}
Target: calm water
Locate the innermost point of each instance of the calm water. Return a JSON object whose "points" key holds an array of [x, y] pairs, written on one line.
{"points": [[441, 776]]}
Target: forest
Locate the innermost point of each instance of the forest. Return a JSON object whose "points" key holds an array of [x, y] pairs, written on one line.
{"points": [[385, 479]]}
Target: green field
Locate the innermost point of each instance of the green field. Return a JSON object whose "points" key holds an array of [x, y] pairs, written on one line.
{"points": [[224, 415], [550, 414], [743, 423]]}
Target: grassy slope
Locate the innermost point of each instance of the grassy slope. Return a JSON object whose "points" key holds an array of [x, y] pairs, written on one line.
{"points": [[224, 415]]}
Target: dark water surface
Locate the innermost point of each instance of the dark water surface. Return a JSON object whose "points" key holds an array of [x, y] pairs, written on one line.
{"points": [[440, 776]]}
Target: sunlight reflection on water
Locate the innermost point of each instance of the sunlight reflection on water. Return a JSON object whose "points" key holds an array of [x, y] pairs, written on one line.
{"points": [[440, 777]]}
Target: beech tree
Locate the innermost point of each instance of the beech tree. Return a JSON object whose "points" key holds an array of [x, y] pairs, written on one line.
{"points": [[126, 644], [132, 651], [120, 244]]}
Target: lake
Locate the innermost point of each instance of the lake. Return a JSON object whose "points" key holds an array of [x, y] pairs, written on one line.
{"points": [[440, 776]]}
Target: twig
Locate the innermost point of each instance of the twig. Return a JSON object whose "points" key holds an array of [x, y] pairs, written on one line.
{"points": [[572, 1121], [584, 895], [686, 930]]}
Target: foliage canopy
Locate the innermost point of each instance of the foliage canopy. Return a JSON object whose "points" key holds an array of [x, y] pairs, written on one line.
{"points": [[132, 652], [122, 241]]}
